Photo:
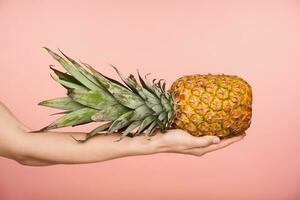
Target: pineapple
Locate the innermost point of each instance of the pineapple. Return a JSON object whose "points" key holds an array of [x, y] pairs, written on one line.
{"points": [[212, 104], [199, 104]]}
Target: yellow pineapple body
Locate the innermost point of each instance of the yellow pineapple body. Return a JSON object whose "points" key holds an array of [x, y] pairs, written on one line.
{"points": [[212, 105]]}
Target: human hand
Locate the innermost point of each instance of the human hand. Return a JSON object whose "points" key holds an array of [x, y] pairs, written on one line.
{"points": [[48, 148], [179, 141]]}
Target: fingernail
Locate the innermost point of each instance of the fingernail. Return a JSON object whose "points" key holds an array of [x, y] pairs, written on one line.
{"points": [[216, 140]]}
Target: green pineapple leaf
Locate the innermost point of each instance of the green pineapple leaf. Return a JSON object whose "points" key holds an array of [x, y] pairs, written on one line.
{"points": [[131, 127], [129, 82], [64, 103], [141, 112], [94, 132], [151, 128], [126, 106], [68, 84], [93, 98], [121, 94], [73, 71], [108, 78], [110, 113], [64, 76], [76, 117], [146, 122], [121, 122], [82, 70]]}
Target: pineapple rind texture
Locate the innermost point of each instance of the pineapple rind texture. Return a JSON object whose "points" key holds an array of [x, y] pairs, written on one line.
{"points": [[212, 104]]}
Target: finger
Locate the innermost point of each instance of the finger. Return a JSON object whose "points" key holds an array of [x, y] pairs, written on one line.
{"points": [[204, 141], [223, 143]]}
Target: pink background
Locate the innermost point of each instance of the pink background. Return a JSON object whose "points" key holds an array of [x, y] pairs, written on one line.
{"points": [[257, 40]]}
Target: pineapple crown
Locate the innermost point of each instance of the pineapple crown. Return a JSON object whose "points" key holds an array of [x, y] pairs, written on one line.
{"points": [[131, 107]]}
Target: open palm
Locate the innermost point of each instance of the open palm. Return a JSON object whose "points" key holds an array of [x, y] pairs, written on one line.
{"points": [[179, 141]]}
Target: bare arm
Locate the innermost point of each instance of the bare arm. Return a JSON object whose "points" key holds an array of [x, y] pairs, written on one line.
{"points": [[48, 148]]}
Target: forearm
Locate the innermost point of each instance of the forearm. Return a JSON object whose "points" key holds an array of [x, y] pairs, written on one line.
{"points": [[59, 148]]}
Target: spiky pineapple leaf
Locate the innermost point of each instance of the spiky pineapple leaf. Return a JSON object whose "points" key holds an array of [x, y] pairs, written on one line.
{"points": [[121, 122], [94, 132], [65, 76], [129, 82], [157, 108], [126, 106], [132, 126], [60, 113], [151, 128], [68, 84], [108, 78], [110, 113], [93, 98], [162, 116], [121, 94], [165, 103], [151, 100], [144, 84], [80, 116], [170, 115], [64, 103], [141, 112], [73, 71], [82, 70], [146, 122]]}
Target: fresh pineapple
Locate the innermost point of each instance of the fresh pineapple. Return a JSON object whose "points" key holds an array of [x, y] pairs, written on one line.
{"points": [[212, 104], [199, 104]]}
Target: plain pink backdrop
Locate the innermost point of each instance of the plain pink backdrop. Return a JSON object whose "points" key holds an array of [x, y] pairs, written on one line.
{"points": [[257, 40]]}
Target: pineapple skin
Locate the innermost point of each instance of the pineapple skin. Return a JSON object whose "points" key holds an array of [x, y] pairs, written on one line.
{"points": [[218, 105]]}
